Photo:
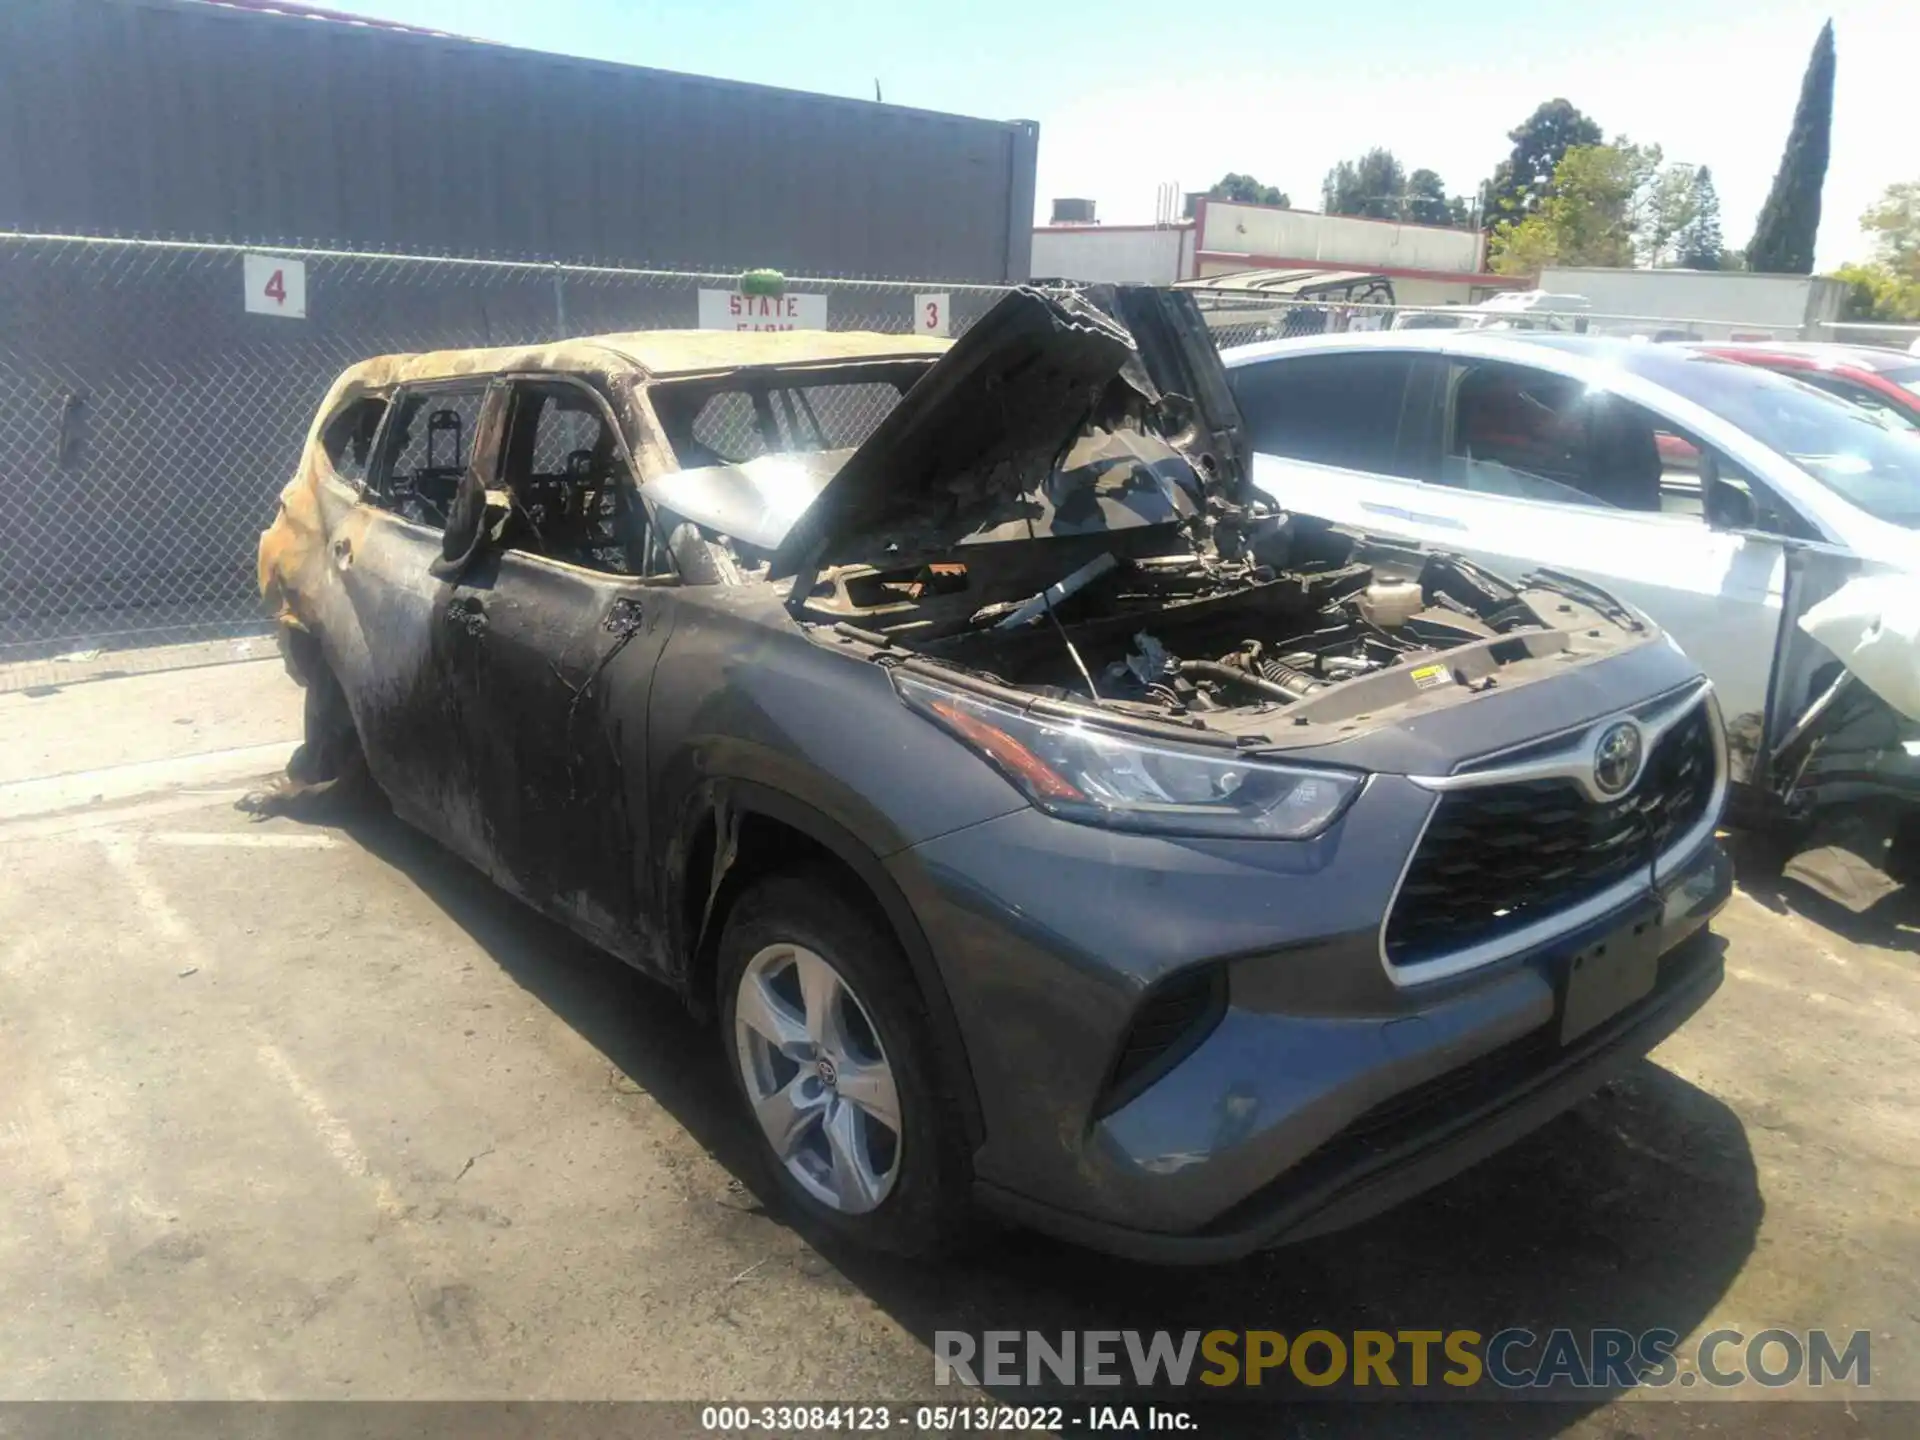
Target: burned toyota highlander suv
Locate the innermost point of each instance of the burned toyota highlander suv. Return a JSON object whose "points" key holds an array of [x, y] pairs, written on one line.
{"points": [[1045, 820]]}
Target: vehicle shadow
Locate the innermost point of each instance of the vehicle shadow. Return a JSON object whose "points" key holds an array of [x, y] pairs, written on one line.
{"points": [[1758, 860], [638, 1024], [1634, 1211]]}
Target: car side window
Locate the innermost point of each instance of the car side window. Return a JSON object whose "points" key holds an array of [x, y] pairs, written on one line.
{"points": [[428, 446], [1624, 433], [1516, 431], [1346, 409], [1536, 435], [1697, 480], [347, 439], [1683, 462], [573, 498]]}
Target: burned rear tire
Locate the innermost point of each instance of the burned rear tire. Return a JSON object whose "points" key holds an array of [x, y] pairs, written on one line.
{"points": [[327, 772], [826, 1037], [329, 745]]}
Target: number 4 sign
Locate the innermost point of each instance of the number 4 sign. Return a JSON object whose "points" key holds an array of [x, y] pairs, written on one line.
{"points": [[930, 314], [275, 285]]}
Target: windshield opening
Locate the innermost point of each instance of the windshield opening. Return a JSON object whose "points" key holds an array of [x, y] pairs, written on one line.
{"points": [[751, 414]]}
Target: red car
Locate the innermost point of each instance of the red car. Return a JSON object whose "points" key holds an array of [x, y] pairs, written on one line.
{"points": [[1886, 382]]}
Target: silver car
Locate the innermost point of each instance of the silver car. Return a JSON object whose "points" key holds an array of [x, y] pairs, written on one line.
{"points": [[1722, 499]]}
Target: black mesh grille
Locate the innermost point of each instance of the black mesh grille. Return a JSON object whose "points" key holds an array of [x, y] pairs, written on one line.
{"points": [[1497, 858]]}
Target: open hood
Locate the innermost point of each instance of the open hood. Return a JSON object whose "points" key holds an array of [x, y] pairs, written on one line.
{"points": [[993, 419]]}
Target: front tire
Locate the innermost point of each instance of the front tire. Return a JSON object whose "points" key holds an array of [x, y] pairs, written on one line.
{"points": [[826, 1038]]}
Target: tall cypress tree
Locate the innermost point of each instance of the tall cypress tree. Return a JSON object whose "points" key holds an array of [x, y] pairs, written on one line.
{"points": [[1783, 240]]}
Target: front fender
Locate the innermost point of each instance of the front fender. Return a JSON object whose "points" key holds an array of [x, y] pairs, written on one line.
{"points": [[748, 716], [709, 828]]}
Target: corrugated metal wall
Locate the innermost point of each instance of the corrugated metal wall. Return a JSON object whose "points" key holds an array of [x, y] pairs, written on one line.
{"points": [[173, 118]]}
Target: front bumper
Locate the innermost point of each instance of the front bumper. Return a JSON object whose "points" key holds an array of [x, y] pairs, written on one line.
{"points": [[1400, 1149], [1324, 1093]]}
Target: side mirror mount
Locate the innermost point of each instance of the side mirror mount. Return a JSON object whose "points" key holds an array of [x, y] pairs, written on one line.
{"points": [[475, 522]]}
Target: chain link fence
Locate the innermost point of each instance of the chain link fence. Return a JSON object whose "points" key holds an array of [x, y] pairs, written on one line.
{"points": [[149, 413], [148, 417]]}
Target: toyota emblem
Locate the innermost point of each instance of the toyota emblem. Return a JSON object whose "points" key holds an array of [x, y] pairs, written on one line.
{"points": [[1616, 758]]}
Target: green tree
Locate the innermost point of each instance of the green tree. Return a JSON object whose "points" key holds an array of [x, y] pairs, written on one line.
{"points": [[1589, 215], [1426, 200], [1540, 142], [1375, 186], [1617, 204], [1378, 187], [1699, 244], [1667, 205], [1894, 222], [1887, 289], [1783, 240], [1247, 191], [1876, 293]]}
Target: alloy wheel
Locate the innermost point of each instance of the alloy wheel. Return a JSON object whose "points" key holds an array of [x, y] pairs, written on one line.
{"points": [[817, 1078]]}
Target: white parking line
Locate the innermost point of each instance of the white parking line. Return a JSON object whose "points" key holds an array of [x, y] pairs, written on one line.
{"points": [[54, 793], [88, 824], [333, 1131], [239, 840], [330, 1128], [153, 900]]}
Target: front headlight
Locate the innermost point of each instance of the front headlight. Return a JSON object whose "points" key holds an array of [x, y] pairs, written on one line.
{"points": [[1125, 782]]}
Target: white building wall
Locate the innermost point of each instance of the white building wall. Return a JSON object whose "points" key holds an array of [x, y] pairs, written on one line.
{"points": [[1339, 242], [1156, 255], [1409, 290], [1720, 305]]}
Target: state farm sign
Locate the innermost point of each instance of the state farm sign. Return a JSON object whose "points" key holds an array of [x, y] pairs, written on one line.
{"points": [[730, 310]]}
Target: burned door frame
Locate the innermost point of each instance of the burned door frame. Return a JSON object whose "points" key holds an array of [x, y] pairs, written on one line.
{"points": [[551, 663], [405, 720]]}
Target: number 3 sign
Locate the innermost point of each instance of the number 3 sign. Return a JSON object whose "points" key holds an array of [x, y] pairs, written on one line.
{"points": [[930, 314], [275, 285]]}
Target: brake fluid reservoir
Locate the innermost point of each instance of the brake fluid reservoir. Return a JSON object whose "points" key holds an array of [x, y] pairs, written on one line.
{"points": [[1391, 604]]}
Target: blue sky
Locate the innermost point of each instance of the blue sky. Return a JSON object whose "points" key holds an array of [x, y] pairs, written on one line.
{"points": [[1129, 95]]}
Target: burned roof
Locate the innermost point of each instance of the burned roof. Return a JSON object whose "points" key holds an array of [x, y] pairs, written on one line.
{"points": [[659, 353]]}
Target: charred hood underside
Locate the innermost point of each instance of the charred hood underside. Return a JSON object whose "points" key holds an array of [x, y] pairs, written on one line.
{"points": [[994, 419], [1063, 506]]}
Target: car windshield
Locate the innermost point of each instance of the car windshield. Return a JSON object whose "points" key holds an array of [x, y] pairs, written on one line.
{"points": [[764, 412], [1907, 377], [1844, 447]]}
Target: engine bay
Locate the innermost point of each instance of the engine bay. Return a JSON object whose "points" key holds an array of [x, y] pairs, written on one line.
{"points": [[1063, 506], [1300, 612]]}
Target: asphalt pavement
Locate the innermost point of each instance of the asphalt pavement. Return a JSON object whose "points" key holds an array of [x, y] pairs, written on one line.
{"points": [[295, 1110]]}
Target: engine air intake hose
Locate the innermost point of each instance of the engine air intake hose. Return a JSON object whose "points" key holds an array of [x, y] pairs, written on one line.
{"points": [[1296, 683]]}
